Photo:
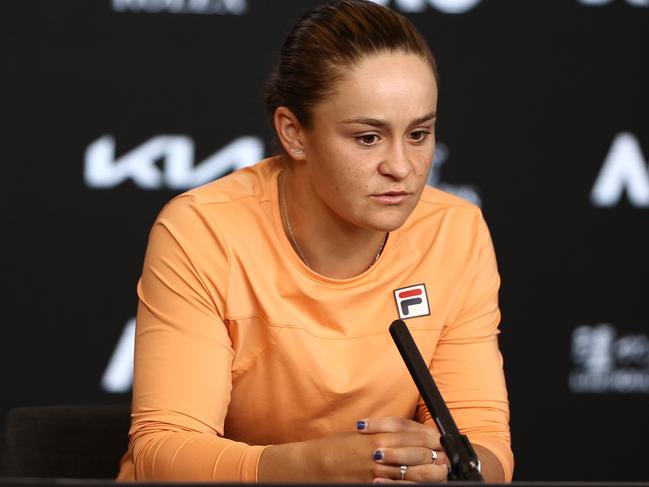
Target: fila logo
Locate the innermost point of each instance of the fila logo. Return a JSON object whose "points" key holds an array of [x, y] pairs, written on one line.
{"points": [[412, 301]]}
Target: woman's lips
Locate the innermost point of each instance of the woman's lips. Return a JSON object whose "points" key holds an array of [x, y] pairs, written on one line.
{"points": [[391, 197]]}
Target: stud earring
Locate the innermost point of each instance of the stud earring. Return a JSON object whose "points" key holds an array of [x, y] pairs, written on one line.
{"points": [[296, 150]]}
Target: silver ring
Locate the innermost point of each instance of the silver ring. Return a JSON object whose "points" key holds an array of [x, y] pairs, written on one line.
{"points": [[402, 470], [434, 455]]}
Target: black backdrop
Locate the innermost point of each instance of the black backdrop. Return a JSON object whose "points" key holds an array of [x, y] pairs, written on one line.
{"points": [[111, 107]]}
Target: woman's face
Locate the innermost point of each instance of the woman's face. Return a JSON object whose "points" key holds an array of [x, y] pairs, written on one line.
{"points": [[370, 145]]}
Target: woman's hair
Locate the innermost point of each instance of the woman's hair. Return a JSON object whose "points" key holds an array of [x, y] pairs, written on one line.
{"points": [[329, 40]]}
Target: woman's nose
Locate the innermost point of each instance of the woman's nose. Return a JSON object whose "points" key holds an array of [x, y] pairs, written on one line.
{"points": [[396, 164]]}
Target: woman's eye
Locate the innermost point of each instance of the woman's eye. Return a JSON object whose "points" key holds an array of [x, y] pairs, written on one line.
{"points": [[369, 139], [419, 135]]}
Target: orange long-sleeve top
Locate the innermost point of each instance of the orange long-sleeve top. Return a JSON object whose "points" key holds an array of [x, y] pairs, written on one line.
{"points": [[240, 345]]}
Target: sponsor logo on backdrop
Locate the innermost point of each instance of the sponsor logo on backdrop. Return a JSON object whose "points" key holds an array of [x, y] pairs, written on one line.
{"points": [[165, 162], [599, 3], [607, 363], [118, 377], [209, 7], [240, 7], [465, 191], [625, 172], [446, 6]]}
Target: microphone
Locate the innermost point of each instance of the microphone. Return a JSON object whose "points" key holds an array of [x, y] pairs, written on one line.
{"points": [[458, 449]]}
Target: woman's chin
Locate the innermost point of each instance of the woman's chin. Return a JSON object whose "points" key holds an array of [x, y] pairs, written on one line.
{"points": [[383, 224]]}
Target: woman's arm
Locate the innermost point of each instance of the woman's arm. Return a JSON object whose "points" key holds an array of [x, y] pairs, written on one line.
{"points": [[183, 357], [492, 469], [467, 364]]}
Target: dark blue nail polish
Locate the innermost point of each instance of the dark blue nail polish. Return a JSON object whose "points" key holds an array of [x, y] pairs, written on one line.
{"points": [[360, 425], [378, 455]]}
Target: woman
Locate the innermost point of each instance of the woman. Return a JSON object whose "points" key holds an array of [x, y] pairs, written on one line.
{"points": [[262, 349]]}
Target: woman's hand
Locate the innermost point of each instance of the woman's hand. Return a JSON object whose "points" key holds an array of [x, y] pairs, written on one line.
{"points": [[421, 454], [375, 453]]}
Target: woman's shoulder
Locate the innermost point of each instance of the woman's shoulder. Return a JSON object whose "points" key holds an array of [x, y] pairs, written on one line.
{"points": [[253, 181], [439, 210], [223, 202], [434, 200], [445, 220]]}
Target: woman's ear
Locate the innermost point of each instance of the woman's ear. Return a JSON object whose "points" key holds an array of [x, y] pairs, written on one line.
{"points": [[290, 132]]}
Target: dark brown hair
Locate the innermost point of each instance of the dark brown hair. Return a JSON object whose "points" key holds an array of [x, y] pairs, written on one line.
{"points": [[329, 39]]}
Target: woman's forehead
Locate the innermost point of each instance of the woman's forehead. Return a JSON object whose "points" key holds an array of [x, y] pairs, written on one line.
{"points": [[381, 85]]}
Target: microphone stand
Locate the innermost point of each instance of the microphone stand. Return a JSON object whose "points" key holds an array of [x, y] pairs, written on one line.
{"points": [[458, 449]]}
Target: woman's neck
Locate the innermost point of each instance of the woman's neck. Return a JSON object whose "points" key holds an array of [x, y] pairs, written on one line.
{"points": [[326, 243]]}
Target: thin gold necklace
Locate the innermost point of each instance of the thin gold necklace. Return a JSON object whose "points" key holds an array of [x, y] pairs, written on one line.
{"points": [[284, 212]]}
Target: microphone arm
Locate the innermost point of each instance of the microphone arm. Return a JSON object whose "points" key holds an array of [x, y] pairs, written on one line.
{"points": [[458, 449]]}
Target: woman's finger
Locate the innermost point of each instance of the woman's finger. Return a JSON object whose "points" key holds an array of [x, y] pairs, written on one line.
{"points": [[413, 473], [388, 424], [441, 459], [380, 480], [424, 437], [403, 456]]}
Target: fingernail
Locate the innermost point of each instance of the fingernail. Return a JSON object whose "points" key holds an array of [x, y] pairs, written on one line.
{"points": [[378, 455], [378, 481], [360, 425]]}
